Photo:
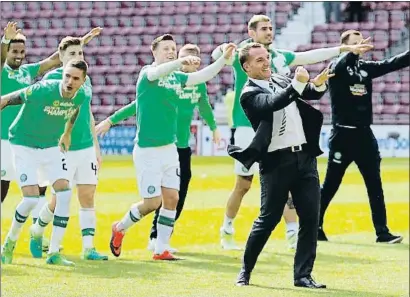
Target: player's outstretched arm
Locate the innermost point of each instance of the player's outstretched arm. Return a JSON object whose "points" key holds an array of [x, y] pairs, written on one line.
{"points": [[120, 115], [49, 63], [323, 54], [212, 70], [90, 35], [380, 68], [54, 60], [218, 51], [158, 71], [65, 140], [10, 32], [14, 98]]}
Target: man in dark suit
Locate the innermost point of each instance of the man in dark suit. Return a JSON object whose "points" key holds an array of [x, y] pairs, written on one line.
{"points": [[351, 138], [286, 145]]}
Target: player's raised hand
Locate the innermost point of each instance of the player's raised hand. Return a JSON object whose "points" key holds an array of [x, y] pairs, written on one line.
{"points": [[359, 49], [65, 142], [216, 136], [90, 35], [322, 77], [10, 31], [301, 74], [190, 60], [228, 50], [102, 128]]}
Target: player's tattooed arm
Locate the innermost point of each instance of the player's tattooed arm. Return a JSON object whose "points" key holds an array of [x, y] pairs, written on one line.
{"points": [[11, 99], [70, 123], [65, 140], [74, 116]]}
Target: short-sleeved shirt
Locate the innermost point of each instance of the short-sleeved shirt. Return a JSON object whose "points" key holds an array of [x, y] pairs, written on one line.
{"points": [[156, 105], [280, 62], [191, 97], [42, 118], [13, 80], [81, 136]]}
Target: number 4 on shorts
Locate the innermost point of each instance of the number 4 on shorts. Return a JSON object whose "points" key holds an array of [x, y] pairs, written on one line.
{"points": [[94, 167]]}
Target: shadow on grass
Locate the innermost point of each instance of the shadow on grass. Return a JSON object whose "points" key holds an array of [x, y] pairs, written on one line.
{"points": [[399, 246], [322, 292]]}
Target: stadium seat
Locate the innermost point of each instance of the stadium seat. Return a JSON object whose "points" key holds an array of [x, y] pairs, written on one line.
{"points": [[129, 28]]}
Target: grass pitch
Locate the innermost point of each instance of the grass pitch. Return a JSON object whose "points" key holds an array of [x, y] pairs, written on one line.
{"points": [[351, 264]]}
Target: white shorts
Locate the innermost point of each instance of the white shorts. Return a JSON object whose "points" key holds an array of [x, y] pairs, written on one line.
{"points": [[156, 167], [82, 169], [7, 167], [243, 138], [29, 162]]}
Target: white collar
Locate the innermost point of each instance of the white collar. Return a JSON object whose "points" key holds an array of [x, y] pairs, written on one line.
{"points": [[262, 83]]}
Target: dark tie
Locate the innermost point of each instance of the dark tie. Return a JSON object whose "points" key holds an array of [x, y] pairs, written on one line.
{"points": [[283, 124]]}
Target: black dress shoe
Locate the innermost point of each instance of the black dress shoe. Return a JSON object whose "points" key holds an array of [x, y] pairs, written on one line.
{"points": [[321, 236], [389, 238], [243, 278], [308, 282]]}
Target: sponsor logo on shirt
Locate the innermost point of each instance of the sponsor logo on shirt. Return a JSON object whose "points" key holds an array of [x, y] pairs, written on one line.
{"points": [[189, 93], [170, 82], [20, 77], [57, 111], [358, 90]]}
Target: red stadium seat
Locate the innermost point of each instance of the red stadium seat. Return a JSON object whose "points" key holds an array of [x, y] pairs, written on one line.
{"points": [[390, 98], [404, 98]]}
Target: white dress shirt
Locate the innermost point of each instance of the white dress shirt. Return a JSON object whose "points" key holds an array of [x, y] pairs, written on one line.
{"points": [[290, 133]]}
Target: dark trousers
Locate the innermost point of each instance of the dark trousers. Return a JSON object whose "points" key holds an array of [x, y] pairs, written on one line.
{"points": [[283, 172], [359, 146], [185, 177]]}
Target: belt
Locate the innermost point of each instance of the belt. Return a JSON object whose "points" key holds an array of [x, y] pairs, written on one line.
{"points": [[293, 149], [352, 127]]}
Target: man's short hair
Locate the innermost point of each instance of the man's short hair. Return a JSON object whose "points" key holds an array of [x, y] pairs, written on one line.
{"points": [[191, 49], [79, 64], [253, 22], [69, 41], [244, 52], [157, 40], [344, 38], [19, 38]]}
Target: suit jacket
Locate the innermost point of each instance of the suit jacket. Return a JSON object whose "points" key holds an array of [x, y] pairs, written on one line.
{"points": [[259, 105]]}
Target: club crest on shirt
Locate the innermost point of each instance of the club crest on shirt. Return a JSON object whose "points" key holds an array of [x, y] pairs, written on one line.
{"points": [[29, 91]]}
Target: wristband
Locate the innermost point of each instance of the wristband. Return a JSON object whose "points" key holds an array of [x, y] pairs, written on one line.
{"points": [[4, 40]]}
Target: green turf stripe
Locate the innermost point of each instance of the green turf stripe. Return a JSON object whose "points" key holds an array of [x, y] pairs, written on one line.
{"points": [[60, 221], [166, 221], [88, 232]]}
